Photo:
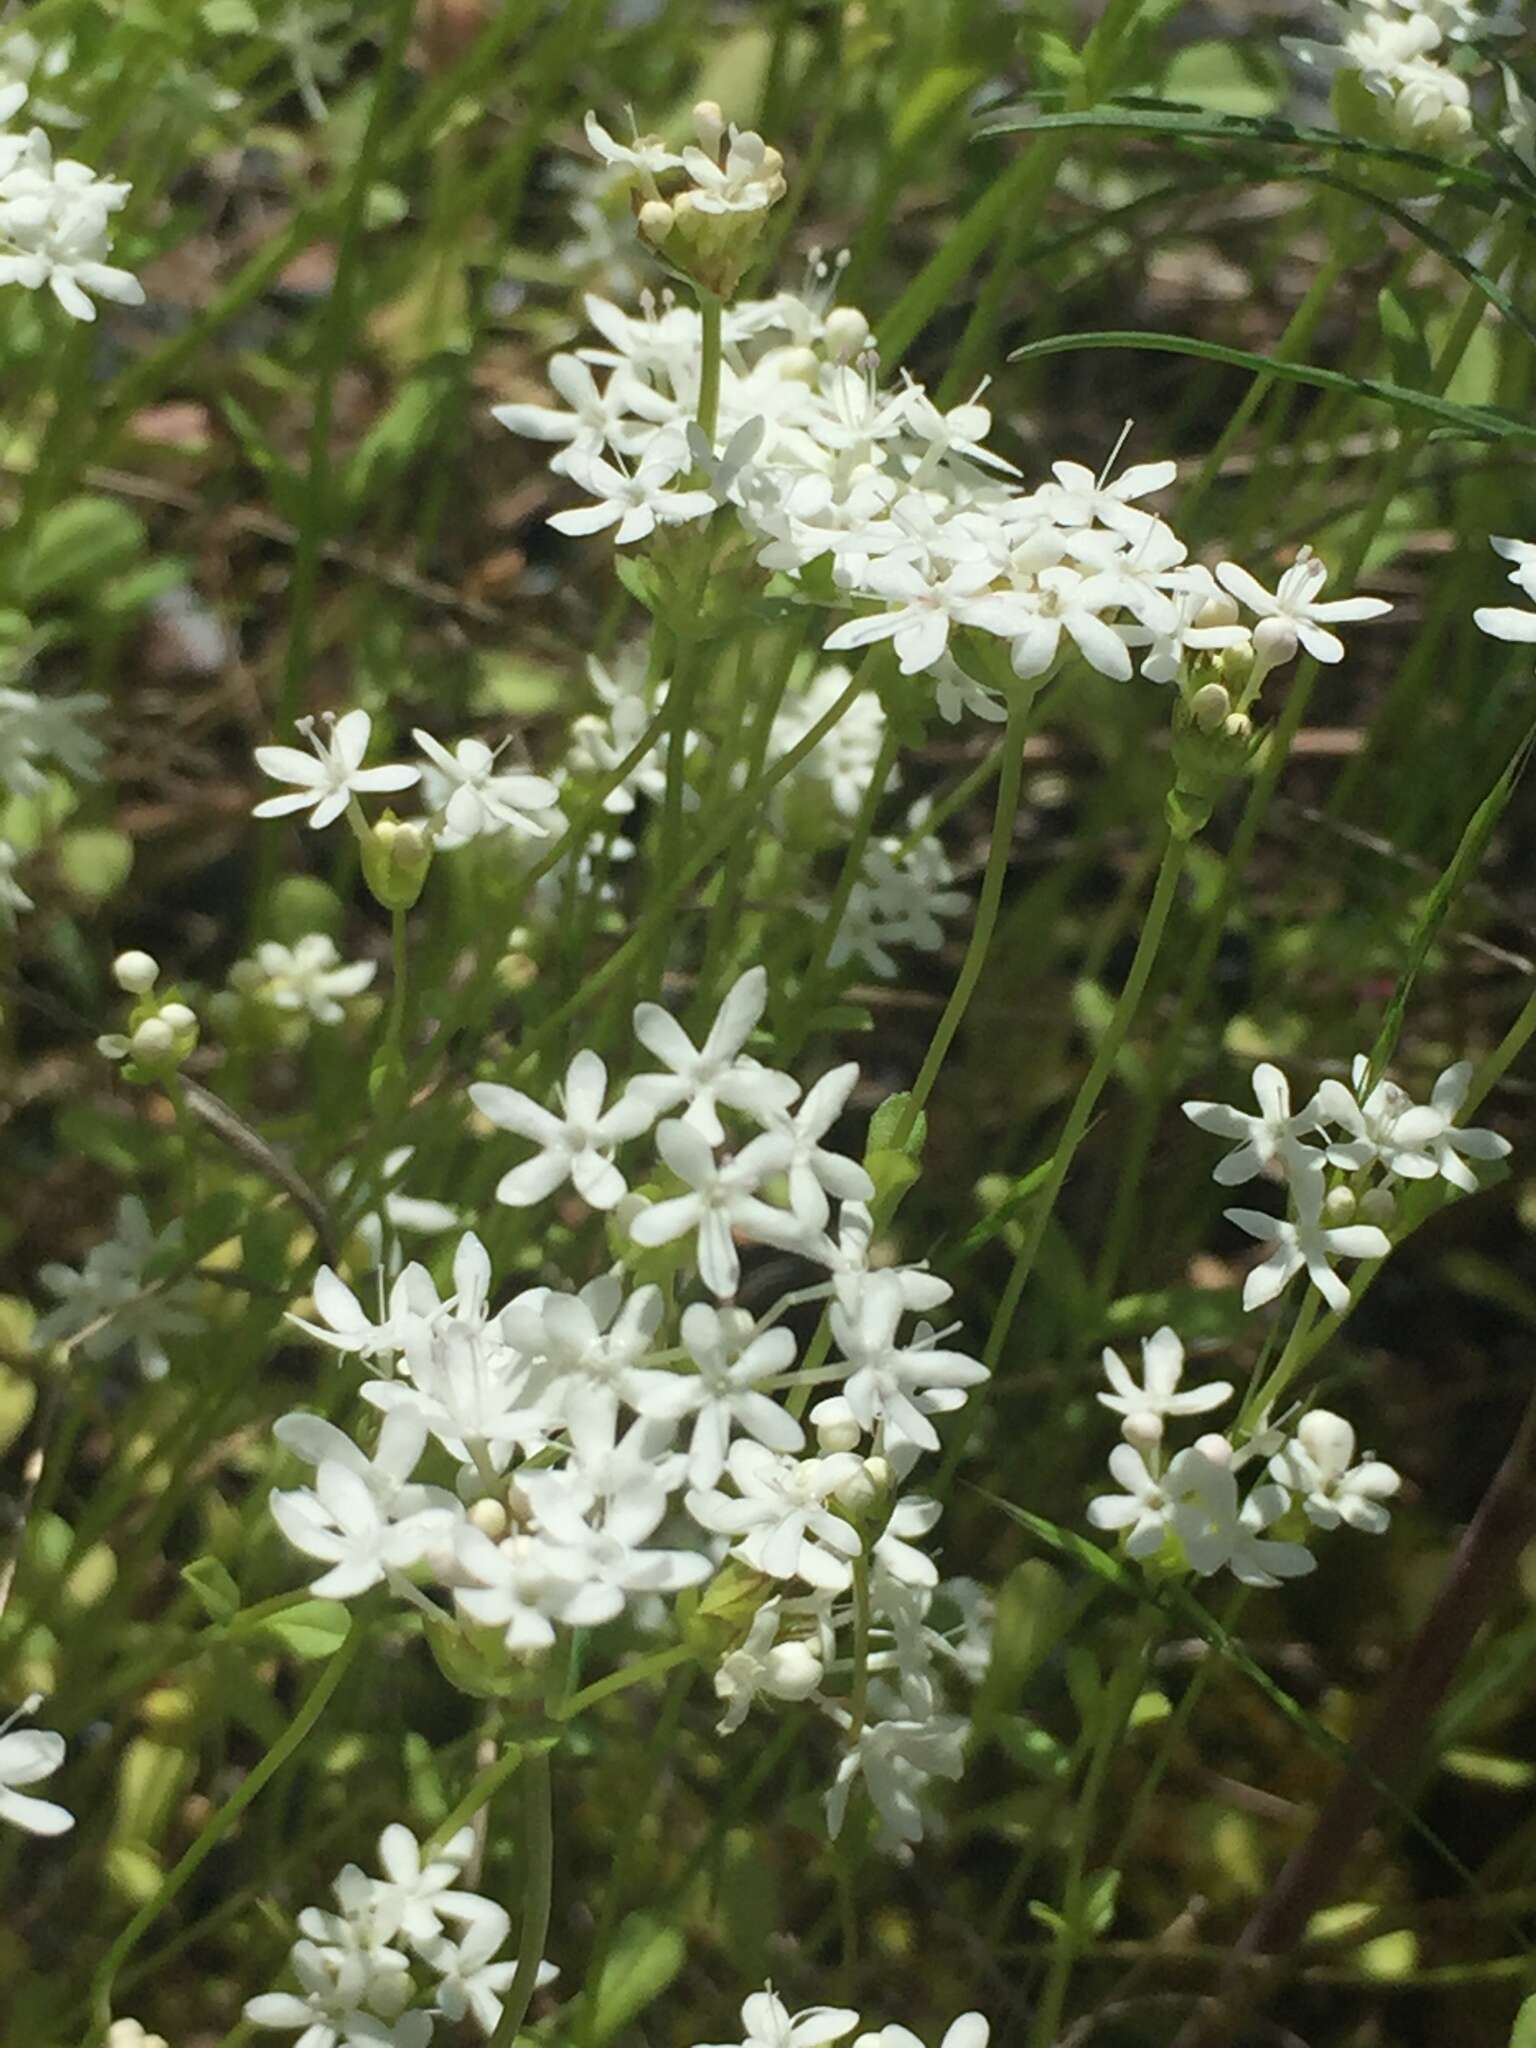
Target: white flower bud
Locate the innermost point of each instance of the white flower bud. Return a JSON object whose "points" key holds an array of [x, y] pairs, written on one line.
{"points": [[1210, 707], [178, 1016], [135, 973], [792, 1671], [1274, 643], [1378, 1206], [1238, 727], [709, 126], [800, 366], [1339, 1206], [154, 1040], [1214, 1447], [847, 331], [655, 220], [1219, 609], [490, 1518], [1143, 1429], [861, 1489], [837, 1427]]}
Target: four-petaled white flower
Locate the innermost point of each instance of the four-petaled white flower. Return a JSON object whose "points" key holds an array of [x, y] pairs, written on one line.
{"points": [[329, 779], [1318, 1466], [780, 1517], [1307, 1244], [480, 800], [577, 1145], [1145, 1408], [1272, 1138], [1295, 603], [27, 1756], [722, 1196], [766, 2022], [717, 1073]]}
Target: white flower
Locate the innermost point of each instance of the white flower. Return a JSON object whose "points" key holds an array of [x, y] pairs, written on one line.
{"points": [[470, 1980], [35, 729], [28, 1755], [896, 1757], [343, 1523], [814, 1172], [722, 1198], [1295, 603], [113, 1301], [481, 801], [890, 1383], [844, 760], [1305, 1244], [633, 505], [647, 154], [780, 1517], [1162, 1357], [717, 1073], [54, 222], [1318, 1466], [970, 2030], [412, 1895], [327, 782], [1078, 497], [1146, 1503], [1452, 1147], [311, 976], [722, 1396], [1384, 1127], [577, 1145], [1063, 600], [329, 2014], [766, 2022], [1272, 1138], [1215, 1532], [750, 180], [789, 1670], [926, 607]]}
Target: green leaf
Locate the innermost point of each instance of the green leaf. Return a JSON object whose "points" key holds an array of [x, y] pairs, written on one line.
{"points": [[886, 1124], [1406, 345], [646, 1955], [1472, 422], [1216, 76], [1524, 2033], [95, 861], [76, 546], [215, 1590], [315, 1628]]}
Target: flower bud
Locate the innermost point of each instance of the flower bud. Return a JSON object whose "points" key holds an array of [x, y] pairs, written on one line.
{"points": [[709, 126], [1215, 1448], [1238, 728], [1143, 1429], [1378, 1206], [861, 1489], [153, 1041], [178, 1016], [1339, 1205], [793, 1671], [847, 331], [799, 365], [489, 1516], [1219, 609], [135, 973], [396, 857], [1274, 644], [655, 220], [1210, 707], [837, 1427]]}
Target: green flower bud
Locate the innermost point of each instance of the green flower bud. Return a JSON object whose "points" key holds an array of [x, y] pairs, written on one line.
{"points": [[396, 857]]}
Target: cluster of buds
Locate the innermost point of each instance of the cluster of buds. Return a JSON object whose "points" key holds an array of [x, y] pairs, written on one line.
{"points": [[161, 1031], [709, 228]]}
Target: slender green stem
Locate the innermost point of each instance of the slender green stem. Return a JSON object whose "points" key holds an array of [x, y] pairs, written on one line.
{"points": [[1121, 1019], [215, 1829], [1504, 1054], [1114, 1711], [1289, 1364], [538, 1892], [710, 309], [484, 1789], [1004, 818], [657, 1665]]}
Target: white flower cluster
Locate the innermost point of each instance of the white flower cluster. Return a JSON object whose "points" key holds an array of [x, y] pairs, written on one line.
{"points": [[55, 220], [162, 1030], [1186, 1510], [593, 1450], [901, 503], [1509, 621], [766, 2022], [903, 894], [1368, 1129], [308, 979], [1417, 61], [357, 1967], [27, 1756]]}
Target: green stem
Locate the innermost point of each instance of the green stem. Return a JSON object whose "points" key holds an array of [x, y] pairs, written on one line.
{"points": [[657, 1665], [1114, 1709], [538, 1891], [862, 1619], [710, 309], [1121, 1018], [484, 1789], [1290, 1363], [218, 1827], [1004, 818]]}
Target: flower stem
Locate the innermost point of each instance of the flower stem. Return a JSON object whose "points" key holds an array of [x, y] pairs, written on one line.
{"points": [[1121, 1018], [710, 309], [538, 1890]]}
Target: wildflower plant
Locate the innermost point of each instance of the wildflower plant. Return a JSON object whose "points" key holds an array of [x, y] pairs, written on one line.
{"points": [[596, 1055]]}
